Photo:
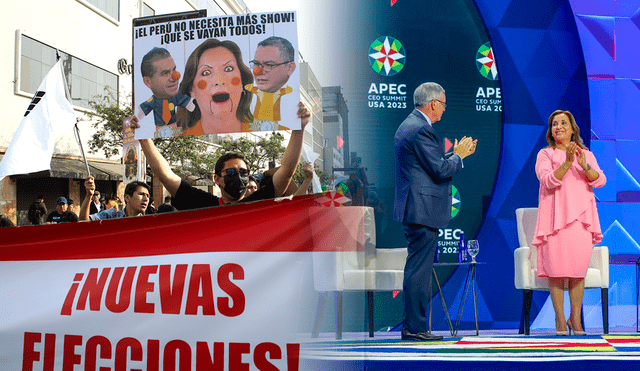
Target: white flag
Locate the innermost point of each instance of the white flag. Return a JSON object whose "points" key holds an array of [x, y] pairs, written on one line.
{"points": [[49, 114]]}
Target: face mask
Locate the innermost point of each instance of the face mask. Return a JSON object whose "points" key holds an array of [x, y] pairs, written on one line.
{"points": [[235, 185]]}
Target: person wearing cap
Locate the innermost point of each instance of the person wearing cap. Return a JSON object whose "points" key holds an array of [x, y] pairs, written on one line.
{"points": [[61, 214]]}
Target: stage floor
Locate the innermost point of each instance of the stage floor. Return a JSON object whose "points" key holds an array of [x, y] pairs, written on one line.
{"points": [[494, 350]]}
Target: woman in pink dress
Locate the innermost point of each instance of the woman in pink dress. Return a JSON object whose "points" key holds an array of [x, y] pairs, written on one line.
{"points": [[568, 225]]}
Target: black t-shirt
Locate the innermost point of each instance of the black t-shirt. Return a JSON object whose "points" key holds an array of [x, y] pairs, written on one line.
{"points": [[66, 217], [189, 198]]}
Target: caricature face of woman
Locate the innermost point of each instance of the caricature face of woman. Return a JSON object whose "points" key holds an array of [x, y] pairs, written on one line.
{"points": [[217, 88]]}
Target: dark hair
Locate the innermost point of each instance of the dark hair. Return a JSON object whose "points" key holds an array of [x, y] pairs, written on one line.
{"points": [[188, 119], [40, 197], [167, 199], [224, 158], [287, 52], [133, 186], [575, 137], [6, 222], [146, 67]]}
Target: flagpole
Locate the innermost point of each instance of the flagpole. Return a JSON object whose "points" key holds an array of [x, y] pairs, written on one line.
{"points": [[86, 163], [77, 130]]}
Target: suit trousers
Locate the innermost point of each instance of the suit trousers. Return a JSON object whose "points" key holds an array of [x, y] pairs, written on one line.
{"points": [[422, 247]]}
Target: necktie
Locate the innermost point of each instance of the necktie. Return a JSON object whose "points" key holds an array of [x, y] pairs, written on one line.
{"points": [[166, 113]]}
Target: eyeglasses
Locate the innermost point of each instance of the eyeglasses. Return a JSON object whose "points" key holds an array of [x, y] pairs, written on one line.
{"points": [[266, 66], [233, 172], [441, 102]]}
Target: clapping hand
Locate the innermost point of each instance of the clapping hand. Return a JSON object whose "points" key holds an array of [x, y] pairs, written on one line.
{"points": [[571, 152], [582, 158], [465, 147]]}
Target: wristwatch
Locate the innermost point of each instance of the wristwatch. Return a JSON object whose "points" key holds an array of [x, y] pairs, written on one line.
{"points": [[167, 131]]}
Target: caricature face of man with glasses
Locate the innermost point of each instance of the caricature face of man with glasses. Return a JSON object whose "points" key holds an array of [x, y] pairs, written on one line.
{"points": [[274, 70]]}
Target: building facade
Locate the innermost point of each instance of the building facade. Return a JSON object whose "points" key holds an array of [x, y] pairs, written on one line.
{"points": [[336, 130], [311, 95], [94, 41]]}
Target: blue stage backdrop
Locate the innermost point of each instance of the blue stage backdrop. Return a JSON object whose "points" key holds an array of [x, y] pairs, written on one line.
{"points": [[557, 54], [578, 56]]}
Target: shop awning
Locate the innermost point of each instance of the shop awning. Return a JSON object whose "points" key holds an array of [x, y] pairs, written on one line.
{"points": [[76, 169]]}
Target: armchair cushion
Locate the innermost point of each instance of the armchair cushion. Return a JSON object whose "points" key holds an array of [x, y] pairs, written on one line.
{"points": [[525, 258]]}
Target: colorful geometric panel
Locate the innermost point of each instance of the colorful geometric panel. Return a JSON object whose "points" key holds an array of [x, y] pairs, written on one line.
{"points": [[530, 347], [602, 30]]}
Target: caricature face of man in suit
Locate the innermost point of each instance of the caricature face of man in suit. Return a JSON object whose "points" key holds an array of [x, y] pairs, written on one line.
{"points": [[275, 71], [165, 81]]}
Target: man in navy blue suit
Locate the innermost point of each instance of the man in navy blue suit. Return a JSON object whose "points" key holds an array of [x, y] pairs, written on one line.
{"points": [[423, 198]]}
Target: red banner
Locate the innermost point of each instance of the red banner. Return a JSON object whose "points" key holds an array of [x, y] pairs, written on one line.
{"points": [[259, 226], [220, 288]]}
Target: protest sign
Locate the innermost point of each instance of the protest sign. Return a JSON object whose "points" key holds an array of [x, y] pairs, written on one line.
{"points": [[224, 288], [135, 164]]}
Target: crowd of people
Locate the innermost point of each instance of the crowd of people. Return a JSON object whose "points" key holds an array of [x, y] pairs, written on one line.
{"points": [[231, 176], [567, 226]]}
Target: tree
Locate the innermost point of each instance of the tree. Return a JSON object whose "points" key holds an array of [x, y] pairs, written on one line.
{"points": [[326, 181], [189, 156], [107, 120], [256, 154]]}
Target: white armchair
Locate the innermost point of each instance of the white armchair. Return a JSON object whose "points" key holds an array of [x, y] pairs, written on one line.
{"points": [[526, 268], [356, 264]]}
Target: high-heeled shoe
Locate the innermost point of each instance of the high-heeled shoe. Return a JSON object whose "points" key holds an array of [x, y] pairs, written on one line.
{"points": [[562, 333], [578, 333]]}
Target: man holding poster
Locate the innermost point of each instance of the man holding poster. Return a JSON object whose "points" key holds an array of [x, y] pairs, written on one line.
{"points": [[231, 173]]}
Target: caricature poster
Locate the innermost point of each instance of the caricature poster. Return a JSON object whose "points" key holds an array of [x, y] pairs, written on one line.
{"points": [[134, 163], [222, 74]]}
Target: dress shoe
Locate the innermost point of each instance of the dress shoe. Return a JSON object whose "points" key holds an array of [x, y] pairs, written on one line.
{"points": [[420, 336], [563, 333]]}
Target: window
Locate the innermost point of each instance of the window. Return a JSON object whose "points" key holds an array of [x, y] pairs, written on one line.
{"points": [[85, 80], [147, 11], [110, 7]]}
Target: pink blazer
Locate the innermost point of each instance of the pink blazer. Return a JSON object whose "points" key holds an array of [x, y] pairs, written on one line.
{"points": [[561, 202]]}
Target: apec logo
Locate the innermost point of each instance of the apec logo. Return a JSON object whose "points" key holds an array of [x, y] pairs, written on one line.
{"points": [[486, 63], [455, 201], [387, 56]]}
